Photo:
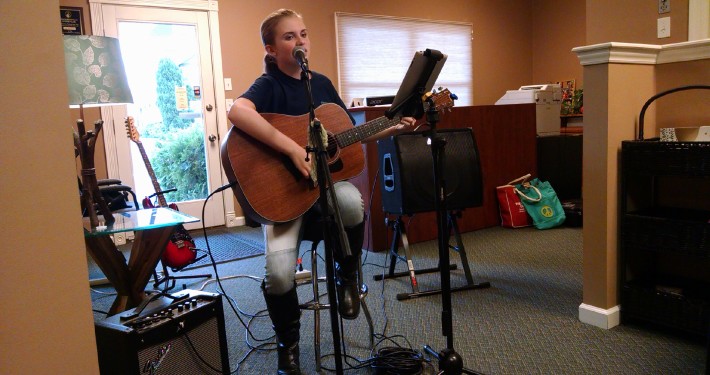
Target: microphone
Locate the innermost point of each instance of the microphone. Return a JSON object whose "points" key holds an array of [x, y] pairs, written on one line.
{"points": [[299, 53]]}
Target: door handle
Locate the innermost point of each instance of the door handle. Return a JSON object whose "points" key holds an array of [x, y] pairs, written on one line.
{"points": [[212, 137], [209, 107]]}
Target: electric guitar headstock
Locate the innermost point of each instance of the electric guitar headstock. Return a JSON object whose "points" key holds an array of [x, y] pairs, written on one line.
{"points": [[132, 131]]}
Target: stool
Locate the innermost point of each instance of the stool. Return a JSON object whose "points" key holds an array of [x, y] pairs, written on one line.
{"points": [[313, 231]]}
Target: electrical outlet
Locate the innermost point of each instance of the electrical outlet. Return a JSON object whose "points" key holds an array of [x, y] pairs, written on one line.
{"points": [[664, 6], [229, 103], [664, 27], [119, 239], [227, 84], [232, 221]]}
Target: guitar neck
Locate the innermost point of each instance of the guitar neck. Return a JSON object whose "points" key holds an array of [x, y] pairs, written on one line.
{"points": [[151, 173], [364, 131]]}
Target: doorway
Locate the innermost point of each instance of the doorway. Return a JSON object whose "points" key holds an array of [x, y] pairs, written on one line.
{"points": [[175, 118]]}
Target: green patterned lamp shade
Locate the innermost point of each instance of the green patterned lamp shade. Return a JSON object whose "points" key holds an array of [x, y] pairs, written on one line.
{"points": [[95, 72]]}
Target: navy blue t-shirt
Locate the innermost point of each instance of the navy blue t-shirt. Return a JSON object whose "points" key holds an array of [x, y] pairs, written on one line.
{"points": [[276, 92]]}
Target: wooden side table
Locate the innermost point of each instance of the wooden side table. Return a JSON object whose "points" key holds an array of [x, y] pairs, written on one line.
{"points": [[153, 228]]}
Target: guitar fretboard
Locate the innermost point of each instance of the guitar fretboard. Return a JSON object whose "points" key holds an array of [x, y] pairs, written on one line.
{"points": [[370, 128], [151, 173]]}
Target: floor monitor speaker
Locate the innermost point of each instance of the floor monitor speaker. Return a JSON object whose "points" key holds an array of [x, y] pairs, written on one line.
{"points": [[183, 335], [408, 175]]}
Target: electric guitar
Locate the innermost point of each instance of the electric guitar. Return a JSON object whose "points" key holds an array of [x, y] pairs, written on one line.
{"points": [[267, 185], [180, 250]]}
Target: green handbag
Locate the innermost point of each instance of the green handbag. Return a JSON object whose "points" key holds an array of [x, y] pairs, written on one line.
{"points": [[541, 203]]}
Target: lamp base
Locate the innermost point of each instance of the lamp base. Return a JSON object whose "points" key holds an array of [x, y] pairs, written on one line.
{"points": [[91, 197]]}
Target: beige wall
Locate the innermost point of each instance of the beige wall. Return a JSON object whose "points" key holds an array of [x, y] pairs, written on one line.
{"points": [[502, 44], [557, 28], [683, 108], [47, 323], [633, 21]]}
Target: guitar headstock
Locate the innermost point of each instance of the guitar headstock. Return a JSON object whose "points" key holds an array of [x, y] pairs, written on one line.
{"points": [[443, 99], [131, 130]]}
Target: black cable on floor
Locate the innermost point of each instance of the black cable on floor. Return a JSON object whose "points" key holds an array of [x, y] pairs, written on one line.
{"points": [[397, 360]]}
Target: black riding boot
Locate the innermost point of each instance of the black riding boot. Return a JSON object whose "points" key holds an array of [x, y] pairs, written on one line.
{"points": [[285, 315], [346, 274]]}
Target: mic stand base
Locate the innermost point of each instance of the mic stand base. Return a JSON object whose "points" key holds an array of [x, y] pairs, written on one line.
{"points": [[450, 362]]}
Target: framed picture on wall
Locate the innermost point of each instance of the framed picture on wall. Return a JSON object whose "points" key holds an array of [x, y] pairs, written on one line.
{"points": [[72, 20], [567, 89]]}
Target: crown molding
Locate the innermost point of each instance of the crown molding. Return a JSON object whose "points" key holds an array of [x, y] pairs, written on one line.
{"points": [[643, 54]]}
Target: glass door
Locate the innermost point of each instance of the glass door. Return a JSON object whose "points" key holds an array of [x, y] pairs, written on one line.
{"points": [[171, 144]]}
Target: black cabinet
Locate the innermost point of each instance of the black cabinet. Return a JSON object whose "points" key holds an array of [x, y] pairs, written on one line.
{"points": [[559, 161], [665, 234]]}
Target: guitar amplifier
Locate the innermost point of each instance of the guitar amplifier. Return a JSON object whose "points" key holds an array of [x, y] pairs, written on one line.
{"points": [[407, 172], [183, 334]]}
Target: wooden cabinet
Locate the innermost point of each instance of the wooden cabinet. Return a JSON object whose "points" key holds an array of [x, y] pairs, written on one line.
{"points": [[506, 141], [571, 124], [665, 234]]}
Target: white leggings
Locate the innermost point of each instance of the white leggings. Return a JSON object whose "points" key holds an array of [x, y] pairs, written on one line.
{"points": [[282, 239]]}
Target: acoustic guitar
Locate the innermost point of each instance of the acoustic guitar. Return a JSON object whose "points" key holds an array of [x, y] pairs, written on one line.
{"points": [[266, 183], [180, 250]]}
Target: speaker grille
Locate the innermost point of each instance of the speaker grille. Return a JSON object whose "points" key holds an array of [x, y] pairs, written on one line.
{"points": [[193, 352], [408, 174]]}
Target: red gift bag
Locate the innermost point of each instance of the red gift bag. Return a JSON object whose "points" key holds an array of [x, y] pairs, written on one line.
{"points": [[512, 211]]}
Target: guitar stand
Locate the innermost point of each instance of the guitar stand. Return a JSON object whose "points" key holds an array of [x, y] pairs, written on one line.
{"points": [[170, 280], [400, 233], [164, 292]]}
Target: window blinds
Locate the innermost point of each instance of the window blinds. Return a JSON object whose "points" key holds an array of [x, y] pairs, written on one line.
{"points": [[374, 53]]}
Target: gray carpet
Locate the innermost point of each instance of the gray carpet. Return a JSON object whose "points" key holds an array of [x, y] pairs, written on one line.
{"points": [[228, 244], [525, 323]]}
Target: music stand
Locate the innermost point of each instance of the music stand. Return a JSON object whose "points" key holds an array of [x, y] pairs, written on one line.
{"points": [[409, 101], [419, 79]]}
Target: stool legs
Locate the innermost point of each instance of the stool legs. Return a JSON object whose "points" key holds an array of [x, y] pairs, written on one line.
{"points": [[316, 306]]}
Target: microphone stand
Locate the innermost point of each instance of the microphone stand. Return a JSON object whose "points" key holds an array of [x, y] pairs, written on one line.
{"points": [[412, 104], [450, 362], [331, 223]]}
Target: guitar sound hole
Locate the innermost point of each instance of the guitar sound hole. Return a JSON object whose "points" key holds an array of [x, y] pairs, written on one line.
{"points": [[332, 149]]}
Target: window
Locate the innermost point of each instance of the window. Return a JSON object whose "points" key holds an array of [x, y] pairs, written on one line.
{"points": [[374, 53]]}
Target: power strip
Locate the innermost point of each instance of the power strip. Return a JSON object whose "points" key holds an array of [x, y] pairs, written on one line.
{"points": [[303, 275]]}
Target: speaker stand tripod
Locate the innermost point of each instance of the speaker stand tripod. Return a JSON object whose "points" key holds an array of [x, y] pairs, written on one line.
{"points": [[400, 234]]}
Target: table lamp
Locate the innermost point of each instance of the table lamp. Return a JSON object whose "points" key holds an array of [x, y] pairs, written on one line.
{"points": [[95, 77]]}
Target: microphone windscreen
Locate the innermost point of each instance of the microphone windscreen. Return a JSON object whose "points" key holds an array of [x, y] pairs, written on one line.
{"points": [[299, 52]]}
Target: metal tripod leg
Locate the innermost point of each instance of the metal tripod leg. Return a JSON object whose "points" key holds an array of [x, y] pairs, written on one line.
{"points": [[400, 232]]}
